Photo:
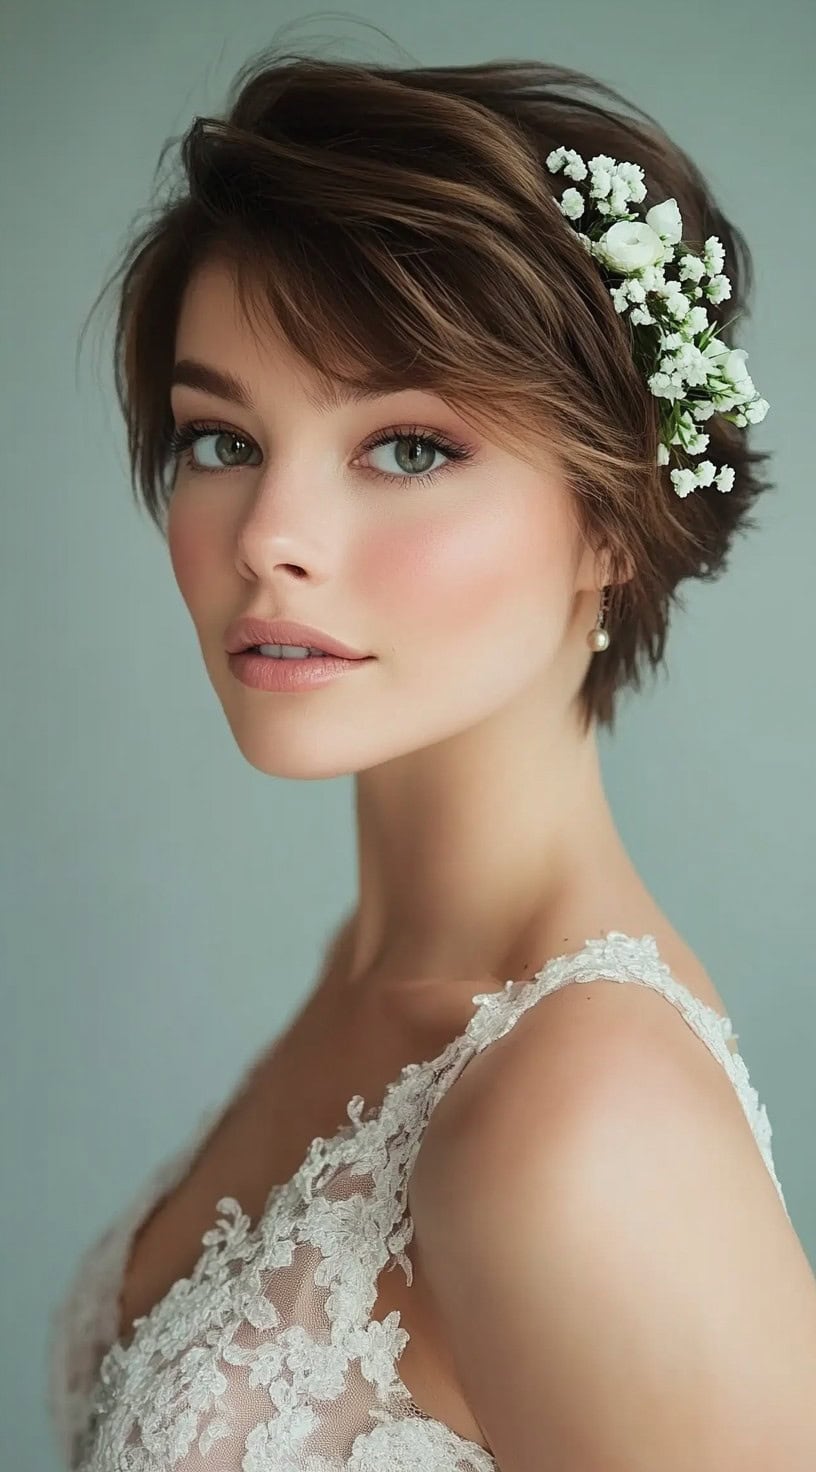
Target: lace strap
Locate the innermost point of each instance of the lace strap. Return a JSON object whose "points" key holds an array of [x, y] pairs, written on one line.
{"points": [[616, 957]]}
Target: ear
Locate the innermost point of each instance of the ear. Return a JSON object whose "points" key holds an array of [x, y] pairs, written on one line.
{"points": [[604, 564], [595, 570]]}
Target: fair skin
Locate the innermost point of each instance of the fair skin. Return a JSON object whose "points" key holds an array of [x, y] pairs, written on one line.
{"points": [[474, 593], [486, 845]]}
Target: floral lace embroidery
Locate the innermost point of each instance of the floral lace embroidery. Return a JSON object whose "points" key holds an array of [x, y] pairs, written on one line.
{"points": [[265, 1358]]}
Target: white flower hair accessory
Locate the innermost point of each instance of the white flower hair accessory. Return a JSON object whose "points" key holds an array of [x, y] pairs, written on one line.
{"points": [[685, 363]]}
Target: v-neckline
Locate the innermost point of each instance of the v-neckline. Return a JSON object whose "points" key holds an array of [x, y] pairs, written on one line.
{"points": [[213, 1119]]}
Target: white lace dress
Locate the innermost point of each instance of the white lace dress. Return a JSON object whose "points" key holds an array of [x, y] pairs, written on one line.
{"points": [[266, 1358]]}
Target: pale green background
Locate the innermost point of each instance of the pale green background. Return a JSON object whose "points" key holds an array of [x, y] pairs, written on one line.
{"points": [[163, 904]]}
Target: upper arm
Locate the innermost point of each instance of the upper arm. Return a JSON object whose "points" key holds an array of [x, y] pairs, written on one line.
{"points": [[608, 1255]]}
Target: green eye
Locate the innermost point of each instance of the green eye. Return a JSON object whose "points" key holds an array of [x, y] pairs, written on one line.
{"points": [[235, 446], [183, 439]]}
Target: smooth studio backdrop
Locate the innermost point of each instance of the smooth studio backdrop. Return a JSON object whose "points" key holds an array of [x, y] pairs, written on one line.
{"points": [[163, 905]]}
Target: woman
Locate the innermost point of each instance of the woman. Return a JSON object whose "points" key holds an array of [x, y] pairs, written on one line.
{"points": [[424, 361]]}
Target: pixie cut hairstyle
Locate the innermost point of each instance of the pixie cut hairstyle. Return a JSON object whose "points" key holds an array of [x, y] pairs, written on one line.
{"points": [[400, 227]]}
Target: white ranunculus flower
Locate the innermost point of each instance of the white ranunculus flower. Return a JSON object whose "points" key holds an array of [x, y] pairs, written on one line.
{"points": [[630, 245], [666, 221]]}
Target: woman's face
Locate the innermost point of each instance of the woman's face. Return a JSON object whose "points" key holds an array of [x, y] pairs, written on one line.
{"points": [[463, 584]]}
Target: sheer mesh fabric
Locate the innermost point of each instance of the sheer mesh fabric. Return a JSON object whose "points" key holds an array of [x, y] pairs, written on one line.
{"points": [[267, 1358]]}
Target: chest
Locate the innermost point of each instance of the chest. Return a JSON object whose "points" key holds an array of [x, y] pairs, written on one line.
{"points": [[298, 1092]]}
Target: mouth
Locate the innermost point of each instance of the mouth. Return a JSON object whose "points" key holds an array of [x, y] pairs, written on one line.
{"points": [[262, 651], [253, 633], [290, 672]]}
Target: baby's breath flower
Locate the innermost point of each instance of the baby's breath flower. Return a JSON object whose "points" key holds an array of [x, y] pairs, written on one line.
{"points": [[684, 353], [718, 289], [573, 203]]}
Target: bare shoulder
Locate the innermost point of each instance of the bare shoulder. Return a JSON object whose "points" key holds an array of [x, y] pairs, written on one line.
{"points": [[593, 1077], [591, 1208], [564, 1054]]}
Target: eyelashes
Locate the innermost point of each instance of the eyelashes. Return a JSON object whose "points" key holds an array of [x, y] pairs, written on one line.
{"points": [[183, 438]]}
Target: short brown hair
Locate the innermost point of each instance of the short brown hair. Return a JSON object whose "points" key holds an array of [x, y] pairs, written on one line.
{"points": [[403, 228]]}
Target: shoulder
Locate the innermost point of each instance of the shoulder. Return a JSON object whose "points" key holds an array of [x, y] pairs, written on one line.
{"points": [[591, 1208], [572, 1060]]}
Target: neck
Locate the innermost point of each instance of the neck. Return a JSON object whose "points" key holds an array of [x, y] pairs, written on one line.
{"points": [[468, 875]]}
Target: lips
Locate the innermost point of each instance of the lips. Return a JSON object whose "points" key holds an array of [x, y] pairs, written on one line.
{"points": [[248, 632]]}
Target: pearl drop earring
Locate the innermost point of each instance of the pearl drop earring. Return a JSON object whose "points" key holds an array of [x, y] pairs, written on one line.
{"points": [[598, 638]]}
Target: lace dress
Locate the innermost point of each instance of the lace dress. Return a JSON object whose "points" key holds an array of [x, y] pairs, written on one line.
{"points": [[266, 1358]]}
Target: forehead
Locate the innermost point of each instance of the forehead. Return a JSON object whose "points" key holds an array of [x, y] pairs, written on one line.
{"points": [[222, 349], [211, 313]]}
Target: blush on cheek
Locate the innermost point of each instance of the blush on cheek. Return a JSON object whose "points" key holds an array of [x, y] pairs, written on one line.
{"points": [[190, 545], [440, 580], [198, 557]]}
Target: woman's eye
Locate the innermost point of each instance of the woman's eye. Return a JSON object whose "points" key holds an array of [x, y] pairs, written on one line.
{"points": [[228, 443], [412, 459]]}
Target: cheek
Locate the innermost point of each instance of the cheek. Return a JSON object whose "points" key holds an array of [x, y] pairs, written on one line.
{"points": [[191, 545], [451, 579]]}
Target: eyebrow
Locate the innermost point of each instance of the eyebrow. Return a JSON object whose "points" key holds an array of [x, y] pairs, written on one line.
{"points": [[194, 374]]}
